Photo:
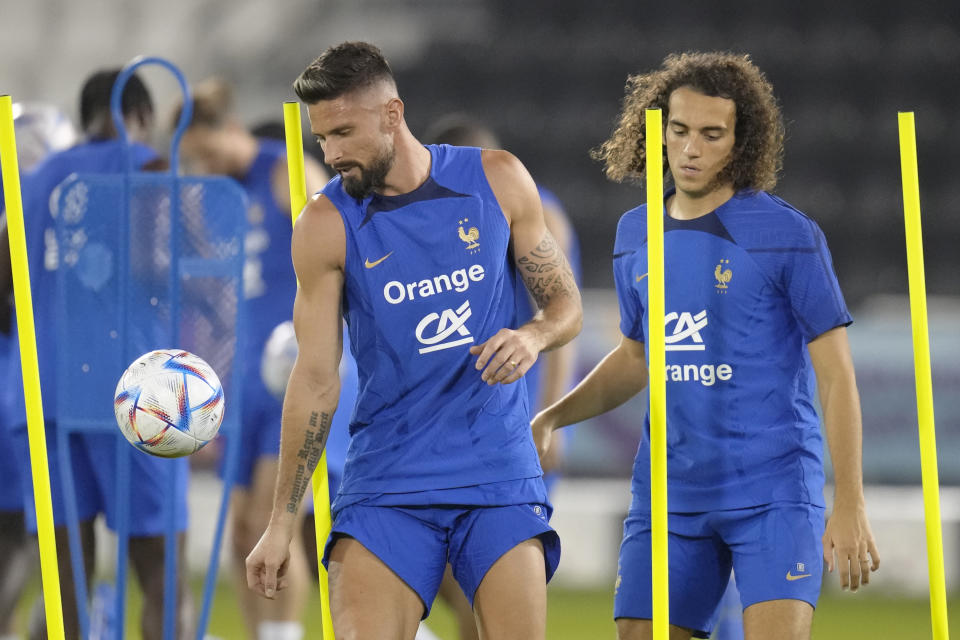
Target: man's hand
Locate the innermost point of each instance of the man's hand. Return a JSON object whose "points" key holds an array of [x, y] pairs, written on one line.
{"points": [[506, 356], [267, 564], [848, 544]]}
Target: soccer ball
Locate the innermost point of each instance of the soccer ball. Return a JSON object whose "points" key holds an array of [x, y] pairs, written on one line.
{"points": [[169, 403], [279, 354]]}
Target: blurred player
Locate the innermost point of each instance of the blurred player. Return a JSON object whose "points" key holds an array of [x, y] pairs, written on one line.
{"points": [[754, 310], [411, 244], [216, 142], [94, 474], [550, 376], [40, 130]]}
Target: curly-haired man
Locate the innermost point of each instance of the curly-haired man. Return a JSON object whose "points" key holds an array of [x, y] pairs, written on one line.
{"points": [[755, 322]]}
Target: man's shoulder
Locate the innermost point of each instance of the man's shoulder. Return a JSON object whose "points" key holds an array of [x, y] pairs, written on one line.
{"points": [[499, 166], [319, 235], [631, 230], [319, 210], [761, 219]]}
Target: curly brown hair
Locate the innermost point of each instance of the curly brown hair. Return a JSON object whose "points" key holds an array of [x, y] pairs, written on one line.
{"points": [[758, 148]]}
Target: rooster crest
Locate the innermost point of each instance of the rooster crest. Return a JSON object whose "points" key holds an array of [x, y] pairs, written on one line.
{"points": [[722, 275], [470, 236]]}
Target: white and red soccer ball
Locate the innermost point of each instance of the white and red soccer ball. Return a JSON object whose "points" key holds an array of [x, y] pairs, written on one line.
{"points": [[169, 403]]}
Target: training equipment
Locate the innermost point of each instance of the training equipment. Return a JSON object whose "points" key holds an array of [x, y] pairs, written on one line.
{"points": [[323, 520], [145, 260], [658, 382], [921, 361], [20, 273], [169, 403], [279, 354]]}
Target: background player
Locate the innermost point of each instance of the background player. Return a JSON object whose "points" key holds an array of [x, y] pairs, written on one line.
{"points": [[40, 130], [94, 474], [753, 311], [550, 376], [433, 426], [217, 142]]}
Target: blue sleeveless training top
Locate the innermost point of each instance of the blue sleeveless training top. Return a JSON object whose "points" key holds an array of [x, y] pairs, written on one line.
{"points": [[429, 274]]}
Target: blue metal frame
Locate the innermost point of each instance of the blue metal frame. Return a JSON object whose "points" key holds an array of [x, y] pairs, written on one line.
{"points": [[179, 269]]}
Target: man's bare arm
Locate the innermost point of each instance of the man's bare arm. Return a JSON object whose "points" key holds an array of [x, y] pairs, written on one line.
{"points": [[314, 386], [557, 365], [506, 356], [848, 541], [618, 377]]}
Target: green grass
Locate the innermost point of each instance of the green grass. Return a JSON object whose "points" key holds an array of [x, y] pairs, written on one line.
{"points": [[586, 615]]}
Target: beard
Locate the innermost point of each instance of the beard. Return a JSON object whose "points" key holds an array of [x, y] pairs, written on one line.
{"points": [[371, 178]]}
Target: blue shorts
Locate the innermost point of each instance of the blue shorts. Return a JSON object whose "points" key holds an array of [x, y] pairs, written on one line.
{"points": [[93, 459], [417, 542], [775, 551], [259, 432]]}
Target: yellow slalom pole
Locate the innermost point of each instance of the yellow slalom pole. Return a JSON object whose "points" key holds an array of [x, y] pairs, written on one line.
{"points": [[657, 370], [49, 573], [921, 365], [321, 482]]}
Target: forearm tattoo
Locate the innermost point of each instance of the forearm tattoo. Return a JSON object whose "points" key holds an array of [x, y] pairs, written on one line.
{"points": [[308, 456], [546, 272]]}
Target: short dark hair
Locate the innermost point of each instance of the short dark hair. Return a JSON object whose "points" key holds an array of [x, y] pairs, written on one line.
{"points": [[95, 96], [758, 150], [341, 69]]}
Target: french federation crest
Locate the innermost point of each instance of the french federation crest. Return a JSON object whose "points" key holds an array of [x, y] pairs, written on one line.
{"points": [[470, 237]]}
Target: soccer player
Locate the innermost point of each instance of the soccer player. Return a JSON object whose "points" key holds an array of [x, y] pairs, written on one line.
{"points": [[753, 311], [217, 142], [418, 247], [94, 474], [550, 376]]}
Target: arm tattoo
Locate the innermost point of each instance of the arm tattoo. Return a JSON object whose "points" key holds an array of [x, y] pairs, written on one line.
{"points": [[546, 272], [308, 456]]}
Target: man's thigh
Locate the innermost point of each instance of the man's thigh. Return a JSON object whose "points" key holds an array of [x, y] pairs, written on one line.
{"points": [[786, 619], [777, 552], [367, 599], [484, 535], [699, 572], [408, 542], [511, 601], [633, 629]]}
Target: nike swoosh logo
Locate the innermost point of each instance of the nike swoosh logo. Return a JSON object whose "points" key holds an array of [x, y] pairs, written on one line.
{"points": [[792, 577], [639, 278], [371, 265]]}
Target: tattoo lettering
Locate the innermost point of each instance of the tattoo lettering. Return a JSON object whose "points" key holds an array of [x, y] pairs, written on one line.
{"points": [[308, 457], [546, 272]]}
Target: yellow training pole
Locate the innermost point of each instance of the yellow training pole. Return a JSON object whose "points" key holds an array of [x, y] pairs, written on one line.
{"points": [[921, 366], [321, 482], [657, 371], [50, 576]]}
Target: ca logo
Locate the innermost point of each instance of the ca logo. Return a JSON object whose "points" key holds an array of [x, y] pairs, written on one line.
{"points": [[688, 326], [448, 323]]}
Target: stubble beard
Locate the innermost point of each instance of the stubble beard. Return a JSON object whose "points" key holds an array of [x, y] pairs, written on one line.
{"points": [[371, 178]]}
